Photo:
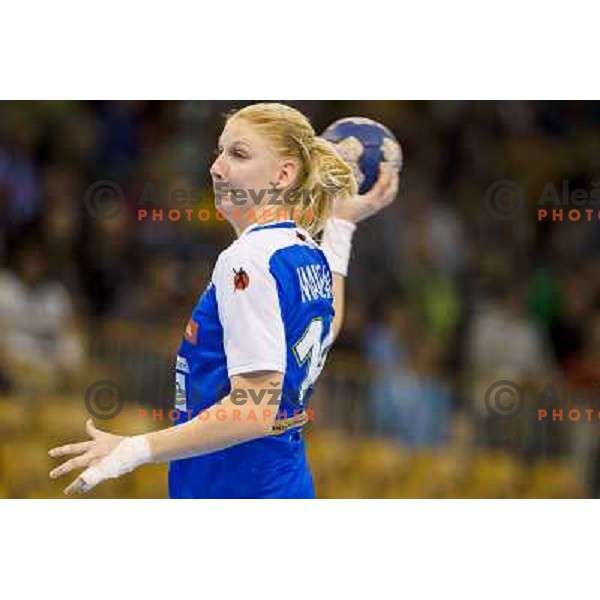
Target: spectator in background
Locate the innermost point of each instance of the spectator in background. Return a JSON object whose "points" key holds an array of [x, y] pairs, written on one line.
{"points": [[409, 400], [505, 344], [107, 258], [386, 351], [434, 295], [426, 407], [40, 341], [19, 184], [504, 336], [153, 294], [60, 226], [568, 328], [583, 376], [387, 336]]}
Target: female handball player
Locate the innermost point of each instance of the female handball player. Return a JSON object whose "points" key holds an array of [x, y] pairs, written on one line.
{"points": [[258, 336]]}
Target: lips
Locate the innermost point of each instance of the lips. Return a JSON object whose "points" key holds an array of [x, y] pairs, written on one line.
{"points": [[222, 188]]}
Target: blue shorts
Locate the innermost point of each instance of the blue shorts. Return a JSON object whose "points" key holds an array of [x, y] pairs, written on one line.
{"points": [[270, 467]]}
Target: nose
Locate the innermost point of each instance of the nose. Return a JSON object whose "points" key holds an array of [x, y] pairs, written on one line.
{"points": [[218, 169]]}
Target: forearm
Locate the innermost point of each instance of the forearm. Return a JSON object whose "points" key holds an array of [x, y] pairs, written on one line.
{"points": [[216, 428], [228, 423], [337, 245], [339, 229]]}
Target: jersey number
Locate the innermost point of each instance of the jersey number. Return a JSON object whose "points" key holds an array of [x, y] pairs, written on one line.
{"points": [[310, 348]]}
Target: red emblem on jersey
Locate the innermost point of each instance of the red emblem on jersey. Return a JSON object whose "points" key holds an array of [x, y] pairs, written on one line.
{"points": [[240, 280], [191, 332]]}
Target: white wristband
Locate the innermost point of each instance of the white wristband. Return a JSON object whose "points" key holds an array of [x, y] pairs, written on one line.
{"points": [[337, 244], [129, 454]]}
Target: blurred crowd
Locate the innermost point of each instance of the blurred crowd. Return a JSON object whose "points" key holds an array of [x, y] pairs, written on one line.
{"points": [[444, 297]]}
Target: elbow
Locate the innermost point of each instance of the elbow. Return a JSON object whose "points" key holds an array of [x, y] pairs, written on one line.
{"points": [[259, 421], [267, 422], [257, 397]]}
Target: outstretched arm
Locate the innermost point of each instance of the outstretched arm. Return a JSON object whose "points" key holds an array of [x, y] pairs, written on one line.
{"points": [[337, 237], [255, 348], [228, 423]]}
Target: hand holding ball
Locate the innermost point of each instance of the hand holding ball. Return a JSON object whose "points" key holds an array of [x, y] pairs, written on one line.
{"points": [[365, 145]]}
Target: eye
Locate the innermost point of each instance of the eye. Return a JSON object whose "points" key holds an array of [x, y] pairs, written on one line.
{"points": [[217, 150], [237, 151]]}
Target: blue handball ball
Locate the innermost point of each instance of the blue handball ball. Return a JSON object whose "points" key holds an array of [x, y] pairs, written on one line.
{"points": [[364, 144]]}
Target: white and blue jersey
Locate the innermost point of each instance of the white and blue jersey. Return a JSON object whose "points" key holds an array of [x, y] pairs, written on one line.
{"points": [[268, 307]]}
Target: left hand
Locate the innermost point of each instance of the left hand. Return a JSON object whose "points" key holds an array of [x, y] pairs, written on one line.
{"points": [[359, 207], [88, 454]]}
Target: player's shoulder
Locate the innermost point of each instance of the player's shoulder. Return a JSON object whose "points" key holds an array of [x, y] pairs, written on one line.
{"points": [[259, 244]]}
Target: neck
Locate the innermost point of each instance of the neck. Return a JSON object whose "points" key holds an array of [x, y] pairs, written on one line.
{"points": [[261, 215]]}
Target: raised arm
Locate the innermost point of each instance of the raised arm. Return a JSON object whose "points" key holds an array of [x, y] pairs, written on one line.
{"points": [[337, 237]]}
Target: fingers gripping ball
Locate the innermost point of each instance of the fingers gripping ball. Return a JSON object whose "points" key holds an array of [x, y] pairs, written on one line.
{"points": [[365, 144]]}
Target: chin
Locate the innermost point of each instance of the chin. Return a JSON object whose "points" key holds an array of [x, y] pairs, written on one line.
{"points": [[235, 214]]}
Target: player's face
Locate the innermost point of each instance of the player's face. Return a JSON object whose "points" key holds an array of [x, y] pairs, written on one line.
{"points": [[245, 161]]}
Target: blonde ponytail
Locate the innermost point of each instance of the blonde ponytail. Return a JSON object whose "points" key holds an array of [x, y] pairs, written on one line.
{"points": [[329, 176], [323, 173]]}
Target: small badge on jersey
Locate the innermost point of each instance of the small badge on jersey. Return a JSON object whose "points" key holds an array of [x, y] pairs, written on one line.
{"points": [[180, 392], [241, 280], [191, 332], [182, 364]]}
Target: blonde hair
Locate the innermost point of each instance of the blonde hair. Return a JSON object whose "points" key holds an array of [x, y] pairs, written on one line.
{"points": [[323, 173]]}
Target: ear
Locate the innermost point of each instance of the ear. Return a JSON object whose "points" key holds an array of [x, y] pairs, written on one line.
{"points": [[288, 172]]}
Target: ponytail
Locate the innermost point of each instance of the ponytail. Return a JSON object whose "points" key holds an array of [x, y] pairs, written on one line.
{"points": [[328, 176]]}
